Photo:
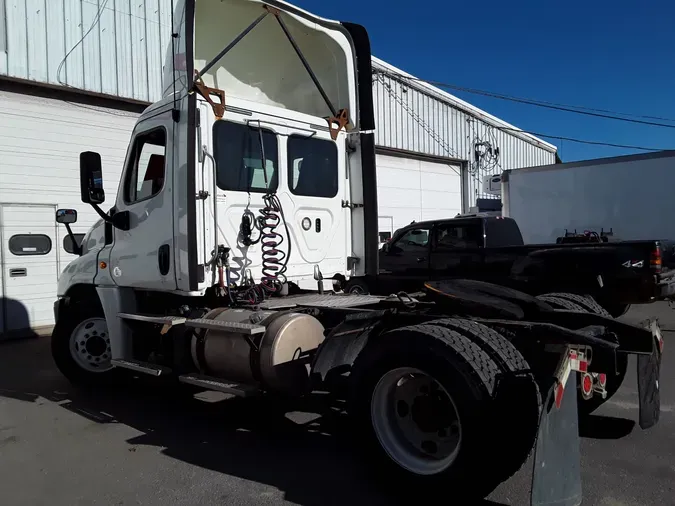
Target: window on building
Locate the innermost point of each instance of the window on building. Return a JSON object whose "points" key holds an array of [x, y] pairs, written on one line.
{"points": [[312, 167], [145, 178], [30, 244], [451, 236], [68, 243], [239, 156], [384, 236]]}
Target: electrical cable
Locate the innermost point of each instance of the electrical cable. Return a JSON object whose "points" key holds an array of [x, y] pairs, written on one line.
{"points": [[539, 103], [97, 18], [581, 141], [539, 134]]}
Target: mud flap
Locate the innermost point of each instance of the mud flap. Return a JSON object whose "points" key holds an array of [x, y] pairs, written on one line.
{"points": [[648, 371], [556, 476]]}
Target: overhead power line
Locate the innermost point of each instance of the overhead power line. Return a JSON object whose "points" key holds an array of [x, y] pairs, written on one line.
{"points": [[587, 111], [580, 141], [402, 78]]}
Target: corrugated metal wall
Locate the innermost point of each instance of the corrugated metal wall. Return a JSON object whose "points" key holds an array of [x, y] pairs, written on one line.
{"points": [[117, 47], [411, 119], [63, 42]]}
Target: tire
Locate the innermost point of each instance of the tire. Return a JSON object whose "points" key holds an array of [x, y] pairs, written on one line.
{"points": [[357, 286], [465, 379], [77, 361], [588, 304], [585, 301], [560, 303], [616, 310], [518, 392], [502, 351]]}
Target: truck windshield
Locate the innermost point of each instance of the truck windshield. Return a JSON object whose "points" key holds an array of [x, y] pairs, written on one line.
{"points": [[239, 158], [502, 232]]}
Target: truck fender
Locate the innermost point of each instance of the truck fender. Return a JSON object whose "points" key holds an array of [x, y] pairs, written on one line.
{"points": [[77, 294], [345, 341], [342, 345]]}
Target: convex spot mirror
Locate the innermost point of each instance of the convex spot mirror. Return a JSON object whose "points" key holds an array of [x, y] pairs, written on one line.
{"points": [[66, 216], [91, 178]]}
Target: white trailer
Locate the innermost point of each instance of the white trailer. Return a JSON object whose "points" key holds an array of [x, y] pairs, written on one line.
{"points": [[630, 195]]}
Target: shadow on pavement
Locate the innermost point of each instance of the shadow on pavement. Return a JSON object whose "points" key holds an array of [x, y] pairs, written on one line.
{"points": [[312, 460], [605, 427]]}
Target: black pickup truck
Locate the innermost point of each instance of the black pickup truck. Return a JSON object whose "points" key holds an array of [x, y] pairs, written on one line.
{"points": [[489, 248]]}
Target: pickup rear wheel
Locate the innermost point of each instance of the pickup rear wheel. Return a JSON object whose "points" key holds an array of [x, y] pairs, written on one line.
{"points": [[422, 403], [357, 287]]}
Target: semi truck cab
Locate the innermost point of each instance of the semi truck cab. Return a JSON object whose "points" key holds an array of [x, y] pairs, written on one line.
{"points": [[260, 145]]}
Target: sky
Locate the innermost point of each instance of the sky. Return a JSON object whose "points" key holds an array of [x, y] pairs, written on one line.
{"points": [[615, 55]]}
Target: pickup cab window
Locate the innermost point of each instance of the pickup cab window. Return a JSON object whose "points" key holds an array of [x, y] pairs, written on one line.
{"points": [[501, 232], [413, 241], [454, 235]]}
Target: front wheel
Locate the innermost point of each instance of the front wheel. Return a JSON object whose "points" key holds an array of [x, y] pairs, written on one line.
{"points": [[81, 346], [357, 286]]}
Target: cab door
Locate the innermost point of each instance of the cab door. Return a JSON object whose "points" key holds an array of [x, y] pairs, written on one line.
{"points": [[314, 190], [142, 257], [404, 262], [456, 250]]}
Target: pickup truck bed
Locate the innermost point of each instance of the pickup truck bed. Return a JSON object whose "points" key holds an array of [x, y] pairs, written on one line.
{"points": [[491, 249]]}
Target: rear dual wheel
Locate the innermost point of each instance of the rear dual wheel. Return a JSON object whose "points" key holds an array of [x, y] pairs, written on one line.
{"points": [[581, 303], [424, 406]]}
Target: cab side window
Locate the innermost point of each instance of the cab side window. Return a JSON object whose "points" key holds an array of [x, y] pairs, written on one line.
{"points": [[413, 241], [145, 175], [456, 236], [312, 167]]}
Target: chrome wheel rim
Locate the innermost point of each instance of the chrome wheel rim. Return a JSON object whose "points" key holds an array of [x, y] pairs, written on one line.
{"points": [[416, 421], [358, 290], [90, 345]]}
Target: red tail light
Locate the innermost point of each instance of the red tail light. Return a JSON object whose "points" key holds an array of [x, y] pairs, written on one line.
{"points": [[655, 260]]}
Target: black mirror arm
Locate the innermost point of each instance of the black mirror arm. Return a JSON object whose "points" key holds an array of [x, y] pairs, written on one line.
{"points": [[100, 212], [118, 220], [77, 248]]}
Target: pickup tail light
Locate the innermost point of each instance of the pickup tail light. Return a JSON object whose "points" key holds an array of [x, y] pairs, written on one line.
{"points": [[655, 260]]}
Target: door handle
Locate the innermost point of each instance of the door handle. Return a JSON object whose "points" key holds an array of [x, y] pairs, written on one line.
{"points": [[421, 259], [18, 273]]}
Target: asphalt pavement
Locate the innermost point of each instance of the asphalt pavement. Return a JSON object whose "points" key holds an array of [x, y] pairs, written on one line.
{"points": [[156, 446]]}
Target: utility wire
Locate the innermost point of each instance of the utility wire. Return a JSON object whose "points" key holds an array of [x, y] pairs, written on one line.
{"points": [[598, 113], [402, 79], [580, 141], [97, 18]]}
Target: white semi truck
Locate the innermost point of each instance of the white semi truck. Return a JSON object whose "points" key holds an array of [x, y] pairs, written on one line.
{"points": [[244, 189]]}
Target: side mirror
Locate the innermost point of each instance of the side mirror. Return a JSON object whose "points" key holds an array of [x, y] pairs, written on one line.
{"points": [[66, 216], [91, 178]]}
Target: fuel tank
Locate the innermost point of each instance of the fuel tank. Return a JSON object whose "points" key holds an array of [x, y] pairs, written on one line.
{"points": [[278, 359]]}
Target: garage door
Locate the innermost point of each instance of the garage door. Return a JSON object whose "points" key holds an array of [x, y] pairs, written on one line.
{"points": [[40, 142], [416, 190]]}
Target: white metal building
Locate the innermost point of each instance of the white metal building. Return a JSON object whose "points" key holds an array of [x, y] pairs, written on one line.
{"points": [[75, 74]]}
